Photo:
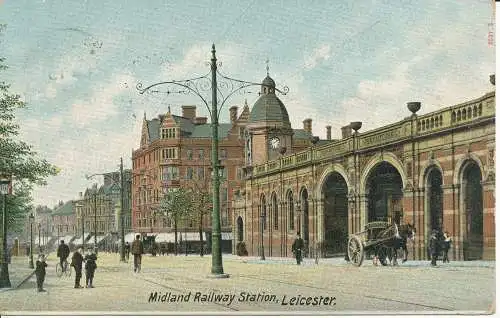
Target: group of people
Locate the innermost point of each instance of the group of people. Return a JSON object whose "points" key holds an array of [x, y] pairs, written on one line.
{"points": [[439, 242], [77, 260]]}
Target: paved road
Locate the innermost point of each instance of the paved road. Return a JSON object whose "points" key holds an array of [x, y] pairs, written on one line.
{"points": [[332, 286]]}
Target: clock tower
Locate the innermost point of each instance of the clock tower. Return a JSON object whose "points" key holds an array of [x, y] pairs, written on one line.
{"points": [[269, 132]]}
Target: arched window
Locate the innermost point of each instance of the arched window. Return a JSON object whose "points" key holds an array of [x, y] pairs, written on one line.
{"points": [[275, 211], [291, 214]]}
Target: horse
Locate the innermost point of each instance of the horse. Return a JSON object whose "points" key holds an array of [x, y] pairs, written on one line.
{"points": [[389, 249]]}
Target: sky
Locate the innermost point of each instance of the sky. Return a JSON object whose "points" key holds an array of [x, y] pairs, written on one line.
{"points": [[77, 63]]}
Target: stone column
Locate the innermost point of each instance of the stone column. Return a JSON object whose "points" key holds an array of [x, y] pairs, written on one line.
{"points": [[362, 218], [320, 230], [489, 219]]}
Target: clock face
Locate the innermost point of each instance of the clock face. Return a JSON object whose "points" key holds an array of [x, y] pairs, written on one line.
{"points": [[274, 142]]}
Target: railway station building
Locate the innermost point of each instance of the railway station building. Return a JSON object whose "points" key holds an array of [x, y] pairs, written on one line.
{"points": [[433, 170]]}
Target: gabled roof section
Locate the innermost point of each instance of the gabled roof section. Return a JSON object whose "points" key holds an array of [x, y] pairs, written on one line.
{"points": [[66, 209]]}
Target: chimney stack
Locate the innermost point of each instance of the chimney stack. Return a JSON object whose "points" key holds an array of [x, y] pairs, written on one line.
{"points": [[308, 125], [189, 111], [233, 114], [346, 131], [328, 132]]}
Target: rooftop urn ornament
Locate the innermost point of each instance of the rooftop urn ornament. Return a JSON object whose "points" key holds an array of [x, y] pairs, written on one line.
{"points": [[314, 140], [492, 79], [282, 150], [356, 125], [414, 107]]}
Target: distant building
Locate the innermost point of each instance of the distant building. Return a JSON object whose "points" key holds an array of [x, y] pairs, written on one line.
{"points": [[64, 220]]}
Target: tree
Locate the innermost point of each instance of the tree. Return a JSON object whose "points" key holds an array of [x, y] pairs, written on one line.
{"points": [[18, 160], [177, 205], [202, 205]]}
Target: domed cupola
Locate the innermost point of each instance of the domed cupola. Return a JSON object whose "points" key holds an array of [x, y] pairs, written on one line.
{"points": [[269, 108]]}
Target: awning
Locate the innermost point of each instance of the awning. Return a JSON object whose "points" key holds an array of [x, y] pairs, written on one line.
{"points": [[190, 236], [78, 240], [129, 237], [67, 239], [99, 239], [227, 236]]}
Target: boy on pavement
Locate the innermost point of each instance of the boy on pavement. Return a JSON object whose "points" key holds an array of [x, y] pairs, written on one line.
{"points": [[40, 272], [62, 253], [90, 266]]}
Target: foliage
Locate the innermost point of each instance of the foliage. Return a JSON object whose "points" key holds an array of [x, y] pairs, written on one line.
{"points": [[177, 204]]}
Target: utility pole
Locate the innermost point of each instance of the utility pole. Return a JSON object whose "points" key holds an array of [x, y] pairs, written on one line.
{"points": [[122, 207]]}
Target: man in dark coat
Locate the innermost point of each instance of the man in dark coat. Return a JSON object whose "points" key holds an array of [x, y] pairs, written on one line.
{"points": [[127, 250], [40, 272], [137, 251], [90, 266], [62, 253], [297, 247], [76, 263], [433, 247]]}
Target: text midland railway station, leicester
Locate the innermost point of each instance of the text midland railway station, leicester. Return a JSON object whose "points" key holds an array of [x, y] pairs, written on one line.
{"points": [[229, 298]]}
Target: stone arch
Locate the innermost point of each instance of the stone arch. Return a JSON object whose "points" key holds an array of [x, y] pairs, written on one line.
{"points": [[334, 168], [274, 214], [290, 210], [463, 162], [239, 229], [433, 163], [470, 177], [303, 217], [388, 157], [334, 213]]}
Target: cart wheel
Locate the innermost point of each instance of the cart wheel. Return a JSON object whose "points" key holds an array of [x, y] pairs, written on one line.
{"points": [[355, 250]]}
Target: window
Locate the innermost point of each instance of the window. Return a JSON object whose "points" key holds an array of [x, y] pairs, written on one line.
{"points": [[169, 153], [201, 173], [202, 154], [170, 173], [189, 154], [223, 154], [167, 133], [189, 173], [239, 174], [223, 173]]}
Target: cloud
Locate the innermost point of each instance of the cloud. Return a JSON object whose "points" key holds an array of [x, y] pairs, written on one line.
{"points": [[318, 55], [100, 106]]}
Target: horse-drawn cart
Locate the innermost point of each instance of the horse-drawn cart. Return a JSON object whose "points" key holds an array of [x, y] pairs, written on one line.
{"points": [[376, 240]]}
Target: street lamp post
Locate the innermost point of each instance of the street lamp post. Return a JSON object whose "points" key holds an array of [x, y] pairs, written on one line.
{"points": [[196, 86], [31, 217], [4, 269], [122, 207], [262, 220], [39, 236], [95, 221]]}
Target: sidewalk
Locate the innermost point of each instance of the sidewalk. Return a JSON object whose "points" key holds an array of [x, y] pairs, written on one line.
{"points": [[19, 272]]}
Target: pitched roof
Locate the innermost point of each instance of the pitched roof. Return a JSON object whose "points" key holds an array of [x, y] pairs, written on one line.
{"points": [[66, 209], [205, 131]]}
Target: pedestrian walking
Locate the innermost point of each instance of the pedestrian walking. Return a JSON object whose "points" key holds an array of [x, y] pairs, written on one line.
{"points": [[433, 247], [137, 251], [297, 247], [90, 267], [40, 272], [127, 250], [76, 263], [446, 247]]}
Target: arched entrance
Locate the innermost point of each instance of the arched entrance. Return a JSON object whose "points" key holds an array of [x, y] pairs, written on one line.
{"points": [[239, 224], [385, 194], [435, 200], [473, 206], [334, 193], [304, 228]]}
